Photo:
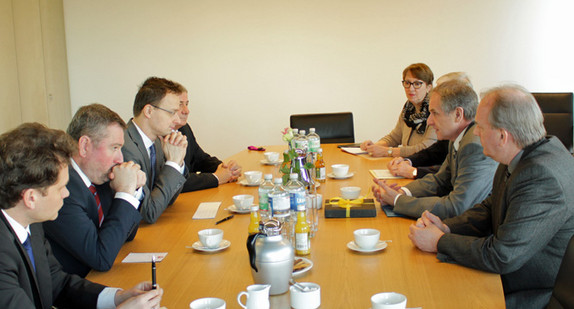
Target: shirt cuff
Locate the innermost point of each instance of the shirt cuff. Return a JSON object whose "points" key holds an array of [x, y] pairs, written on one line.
{"points": [[396, 198], [407, 191], [134, 201], [106, 299], [177, 167], [215, 177]]}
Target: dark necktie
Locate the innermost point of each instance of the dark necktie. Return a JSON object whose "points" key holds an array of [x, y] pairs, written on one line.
{"points": [[152, 161], [28, 246], [100, 210]]}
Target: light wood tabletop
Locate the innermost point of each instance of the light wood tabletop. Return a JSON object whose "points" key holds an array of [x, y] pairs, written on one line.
{"points": [[347, 278]]}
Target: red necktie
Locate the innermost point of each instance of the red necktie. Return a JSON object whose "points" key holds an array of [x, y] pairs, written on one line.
{"points": [[100, 211]]}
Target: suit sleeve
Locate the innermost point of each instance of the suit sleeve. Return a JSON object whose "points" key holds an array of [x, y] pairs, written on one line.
{"points": [[535, 211], [77, 233], [201, 165], [437, 193], [433, 155]]}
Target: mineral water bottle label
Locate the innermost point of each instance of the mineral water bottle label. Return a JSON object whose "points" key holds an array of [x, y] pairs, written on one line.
{"points": [[314, 145], [303, 144], [321, 173], [280, 203], [263, 201], [302, 241], [297, 198]]}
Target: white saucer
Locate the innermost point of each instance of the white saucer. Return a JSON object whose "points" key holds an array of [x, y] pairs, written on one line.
{"points": [[244, 182], [379, 246], [304, 270], [349, 175], [236, 210], [199, 247], [265, 162]]}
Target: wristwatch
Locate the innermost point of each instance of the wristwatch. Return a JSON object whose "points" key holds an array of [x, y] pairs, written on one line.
{"points": [[390, 152], [415, 173]]}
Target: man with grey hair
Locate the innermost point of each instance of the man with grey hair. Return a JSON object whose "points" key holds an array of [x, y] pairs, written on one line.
{"points": [[521, 231], [465, 176]]}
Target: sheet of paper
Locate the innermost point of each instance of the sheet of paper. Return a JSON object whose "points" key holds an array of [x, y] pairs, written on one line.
{"points": [[353, 150], [206, 210], [383, 174], [144, 257]]}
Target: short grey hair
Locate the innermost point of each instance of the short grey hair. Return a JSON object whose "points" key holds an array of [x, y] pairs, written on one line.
{"points": [[514, 109], [461, 76], [456, 93], [92, 120]]}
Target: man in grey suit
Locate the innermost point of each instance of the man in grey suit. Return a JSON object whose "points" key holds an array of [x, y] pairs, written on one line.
{"points": [[522, 230], [464, 178], [152, 141]]}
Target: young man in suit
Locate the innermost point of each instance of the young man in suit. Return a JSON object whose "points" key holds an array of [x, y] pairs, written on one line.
{"points": [[464, 178], [152, 142], [522, 230], [205, 171], [34, 167], [101, 212]]}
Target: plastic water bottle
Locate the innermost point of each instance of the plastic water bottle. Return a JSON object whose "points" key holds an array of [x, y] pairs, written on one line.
{"points": [[295, 136], [279, 199], [314, 140], [264, 188], [301, 142], [296, 191]]}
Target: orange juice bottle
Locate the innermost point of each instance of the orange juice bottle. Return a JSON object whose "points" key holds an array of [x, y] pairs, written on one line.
{"points": [[302, 230], [320, 166], [253, 227]]}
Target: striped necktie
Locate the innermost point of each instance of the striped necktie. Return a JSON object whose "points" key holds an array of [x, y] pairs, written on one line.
{"points": [[28, 246], [100, 210], [152, 161]]}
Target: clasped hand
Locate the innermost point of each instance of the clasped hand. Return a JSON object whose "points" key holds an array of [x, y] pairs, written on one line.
{"points": [[375, 149], [427, 231], [127, 177], [401, 167], [386, 193], [174, 146], [228, 172]]}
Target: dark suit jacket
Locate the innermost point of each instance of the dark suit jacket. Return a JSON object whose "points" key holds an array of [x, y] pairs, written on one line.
{"points": [[162, 192], [76, 238], [22, 288], [429, 160], [521, 231], [200, 164], [464, 179]]}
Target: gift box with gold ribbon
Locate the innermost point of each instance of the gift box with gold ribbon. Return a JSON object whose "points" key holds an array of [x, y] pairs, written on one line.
{"points": [[342, 208]]}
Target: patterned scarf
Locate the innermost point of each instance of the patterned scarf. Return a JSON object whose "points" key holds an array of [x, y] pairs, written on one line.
{"points": [[414, 120]]}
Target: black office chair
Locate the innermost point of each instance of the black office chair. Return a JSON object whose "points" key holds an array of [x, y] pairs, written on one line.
{"points": [[557, 111], [333, 128], [563, 293]]}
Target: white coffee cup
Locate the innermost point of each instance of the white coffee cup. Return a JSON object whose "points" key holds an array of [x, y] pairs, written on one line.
{"points": [[207, 303], [243, 201], [305, 300], [253, 177], [340, 170], [257, 297], [350, 193], [388, 300], [271, 156], [210, 238], [366, 238]]}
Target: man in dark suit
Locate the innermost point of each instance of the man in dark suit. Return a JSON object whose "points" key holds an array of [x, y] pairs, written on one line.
{"points": [[152, 141], [34, 167], [205, 171], [522, 230], [464, 178], [99, 215]]}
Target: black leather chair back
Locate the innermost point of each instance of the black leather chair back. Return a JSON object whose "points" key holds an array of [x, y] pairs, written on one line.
{"points": [[557, 110], [334, 128], [563, 293]]}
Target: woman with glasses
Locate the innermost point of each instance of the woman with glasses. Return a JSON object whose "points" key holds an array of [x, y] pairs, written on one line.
{"points": [[411, 130]]}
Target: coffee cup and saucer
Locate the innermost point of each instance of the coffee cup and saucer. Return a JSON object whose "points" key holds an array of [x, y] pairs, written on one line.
{"points": [[241, 203], [340, 171], [367, 240], [271, 158], [210, 240], [251, 178]]}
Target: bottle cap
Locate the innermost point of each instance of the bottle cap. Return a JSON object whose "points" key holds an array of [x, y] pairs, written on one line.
{"points": [[300, 207], [254, 207], [293, 176], [268, 176]]}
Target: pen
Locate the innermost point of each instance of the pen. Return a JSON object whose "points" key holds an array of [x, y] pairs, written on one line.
{"points": [[153, 281], [224, 219]]}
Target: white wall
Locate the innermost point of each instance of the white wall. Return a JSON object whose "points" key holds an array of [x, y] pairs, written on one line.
{"points": [[249, 64]]}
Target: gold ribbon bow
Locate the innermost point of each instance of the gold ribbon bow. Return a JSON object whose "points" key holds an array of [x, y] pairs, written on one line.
{"points": [[348, 204]]}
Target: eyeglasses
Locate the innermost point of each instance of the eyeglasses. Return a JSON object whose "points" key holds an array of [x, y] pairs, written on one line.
{"points": [[165, 110], [417, 84]]}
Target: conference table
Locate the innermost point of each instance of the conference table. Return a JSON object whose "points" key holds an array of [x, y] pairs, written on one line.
{"points": [[347, 278]]}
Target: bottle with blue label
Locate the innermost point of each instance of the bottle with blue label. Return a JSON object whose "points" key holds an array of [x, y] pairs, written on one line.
{"points": [[314, 141]]}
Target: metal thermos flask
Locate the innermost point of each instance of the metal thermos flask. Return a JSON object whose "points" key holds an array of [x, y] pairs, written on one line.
{"points": [[271, 257]]}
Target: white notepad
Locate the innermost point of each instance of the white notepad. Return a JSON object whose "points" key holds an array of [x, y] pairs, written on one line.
{"points": [[353, 150], [144, 257], [206, 210], [383, 174]]}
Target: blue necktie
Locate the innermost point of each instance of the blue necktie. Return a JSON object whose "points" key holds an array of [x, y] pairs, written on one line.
{"points": [[28, 246], [152, 161]]}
